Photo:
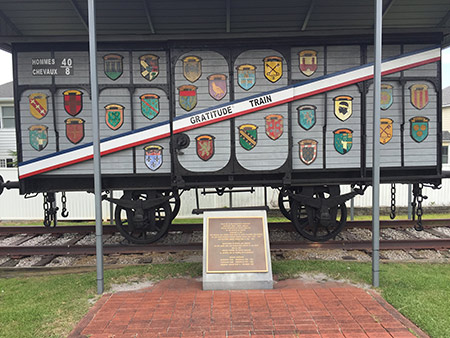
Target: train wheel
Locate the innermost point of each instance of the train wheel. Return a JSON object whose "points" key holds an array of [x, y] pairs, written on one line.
{"points": [[319, 225], [174, 201], [284, 203], [143, 226]]}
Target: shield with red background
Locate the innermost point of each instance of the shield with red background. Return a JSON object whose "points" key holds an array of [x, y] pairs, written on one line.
{"points": [[75, 130], [73, 102], [274, 126], [205, 146]]}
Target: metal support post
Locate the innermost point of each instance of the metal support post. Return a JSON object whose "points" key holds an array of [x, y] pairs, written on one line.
{"points": [[376, 146], [96, 144], [352, 209], [409, 201]]}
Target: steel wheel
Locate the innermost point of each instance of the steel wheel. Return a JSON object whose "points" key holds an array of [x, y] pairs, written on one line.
{"points": [[284, 203], [174, 201], [143, 226]]}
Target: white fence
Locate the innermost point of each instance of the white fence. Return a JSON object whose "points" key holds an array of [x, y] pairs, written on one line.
{"points": [[81, 205]]}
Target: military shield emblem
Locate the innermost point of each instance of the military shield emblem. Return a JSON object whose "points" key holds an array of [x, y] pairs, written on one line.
{"points": [[75, 130], [308, 151], [273, 68], [343, 140], [73, 102], [38, 105], [113, 66], [419, 95], [153, 157], [38, 137], [205, 146], [386, 130], [419, 128], [217, 84], [114, 116], [307, 116], [187, 97], [150, 105], [343, 107], [274, 126], [246, 76], [149, 65], [308, 62], [387, 96], [192, 68], [248, 136]]}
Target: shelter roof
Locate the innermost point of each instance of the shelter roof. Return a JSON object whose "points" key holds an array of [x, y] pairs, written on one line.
{"points": [[446, 97]]}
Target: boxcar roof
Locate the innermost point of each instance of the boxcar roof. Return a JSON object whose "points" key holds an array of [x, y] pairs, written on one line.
{"points": [[118, 20]]}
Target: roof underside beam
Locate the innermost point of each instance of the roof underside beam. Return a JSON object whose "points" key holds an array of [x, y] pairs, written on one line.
{"points": [[149, 17], [308, 15], [80, 14], [444, 20], [228, 28], [10, 23], [388, 7]]}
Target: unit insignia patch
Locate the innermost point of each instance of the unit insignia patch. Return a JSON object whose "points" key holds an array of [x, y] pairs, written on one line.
{"points": [[343, 140], [38, 137], [308, 62], [308, 151], [343, 107], [73, 102], [419, 128], [153, 156], [192, 68], [113, 66], [149, 65], [248, 136], [273, 68], [187, 97], [307, 116], [246, 76], [150, 105], [205, 146], [386, 130], [387, 96], [419, 95], [38, 105], [217, 84], [114, 116], [274, 126], [75, 130]]}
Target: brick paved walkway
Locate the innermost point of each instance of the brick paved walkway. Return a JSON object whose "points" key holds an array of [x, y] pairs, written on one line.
{"points": [[180, 308]]}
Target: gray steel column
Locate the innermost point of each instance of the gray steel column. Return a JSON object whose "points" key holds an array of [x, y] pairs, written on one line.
{"points": [[376, 146], [96, 140], [409, 201]]}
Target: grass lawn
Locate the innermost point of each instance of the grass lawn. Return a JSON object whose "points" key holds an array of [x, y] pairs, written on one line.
{"points": [[50, 306]]}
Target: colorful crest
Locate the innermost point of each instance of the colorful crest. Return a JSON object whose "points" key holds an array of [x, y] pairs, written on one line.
{"points": [[387, 96], [187, 97], [153, 157], [273, 68], [248, 136], [343, 140], [308, 62], [38, 137], [149, 66], [113, 66], [75, 130], [192, 68], [205, 146], [114, 116], [150, 105], [343, 107], [419, 128], [386, 130], [308, 151], [73, 102], [246, 76], [274, 126], [38, 105], [217, 84], [419, 95], [307, 116]]}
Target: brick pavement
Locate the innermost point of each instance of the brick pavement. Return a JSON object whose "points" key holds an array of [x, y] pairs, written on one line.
{"points": [[180, 308]]}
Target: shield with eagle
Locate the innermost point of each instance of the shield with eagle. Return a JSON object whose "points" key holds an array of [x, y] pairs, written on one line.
{"points": [[149, 66], [113, 66], [308, 151], [192, 68], [343, 107], [274, 126], [419, 128], [150, 105], [114, 116], [75, 130], [205, 146], [153, 157], [38, 105], [217, 84], [246, 76], [248, 136], [273, 68], [38, 137], [386, 96], [307, 116], [187, 97], [308, 62], [73, 102], [343, 140], [419, 95], [386, 130]]}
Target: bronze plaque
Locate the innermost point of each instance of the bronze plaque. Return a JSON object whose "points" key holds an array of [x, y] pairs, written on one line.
{"points": [[235, 244]]}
